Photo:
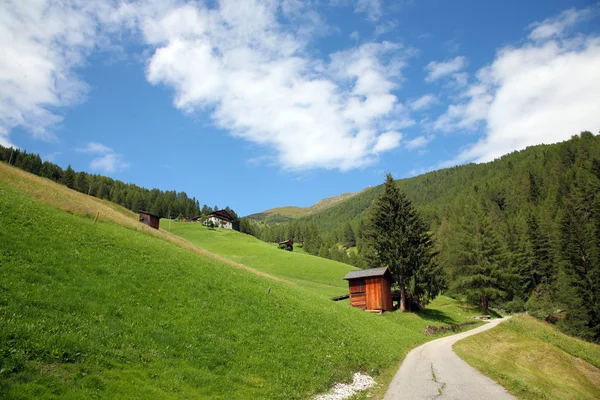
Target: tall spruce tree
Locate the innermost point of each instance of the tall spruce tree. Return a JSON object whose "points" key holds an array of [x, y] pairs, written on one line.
{"points": [[68, 178], [482, 269], [399, 240]]}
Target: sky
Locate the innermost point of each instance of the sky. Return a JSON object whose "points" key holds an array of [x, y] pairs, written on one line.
{"points": [[256, 104]]}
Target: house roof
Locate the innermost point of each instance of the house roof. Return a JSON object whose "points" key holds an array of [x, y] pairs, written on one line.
{"points": [[223, 214], [147, 213], [287, 242], [366, 273]]}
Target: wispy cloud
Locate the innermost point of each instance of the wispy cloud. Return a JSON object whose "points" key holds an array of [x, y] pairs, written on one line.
{"points": [[423, 102], [418, 142], [543, 91], [105, 160], [373, 8], [437, 70], [557, 26]]}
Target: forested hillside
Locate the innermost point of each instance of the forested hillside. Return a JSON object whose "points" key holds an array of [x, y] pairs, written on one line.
{"points": [[523, 230], [162, 203]]}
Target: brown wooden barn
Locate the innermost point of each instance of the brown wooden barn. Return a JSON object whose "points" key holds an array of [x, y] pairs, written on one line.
{"points": [[149, 219], [370, 289], [287, 245]]}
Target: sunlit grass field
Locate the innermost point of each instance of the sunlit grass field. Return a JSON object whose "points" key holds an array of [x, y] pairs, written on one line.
{"points": [[319, 274], [118, 310], [533, 360]]}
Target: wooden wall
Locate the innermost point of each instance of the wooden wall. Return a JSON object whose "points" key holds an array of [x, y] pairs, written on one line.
{"points": [[371, 294], [358, 298]]}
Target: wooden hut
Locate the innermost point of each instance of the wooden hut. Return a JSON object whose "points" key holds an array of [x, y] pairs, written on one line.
{"points": [[370, 289], [287, 245], [149, 219]]}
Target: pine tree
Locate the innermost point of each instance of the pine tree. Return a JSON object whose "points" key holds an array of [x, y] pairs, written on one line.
{"points": [[482, 263], [81, 182], [68, 178], [399, 241], [349, 238]]}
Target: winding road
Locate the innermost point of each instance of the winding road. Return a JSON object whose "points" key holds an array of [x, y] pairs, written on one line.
{"points": [[434, 371]]}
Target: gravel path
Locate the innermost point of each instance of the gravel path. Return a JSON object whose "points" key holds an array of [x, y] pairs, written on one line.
{"points": [[434, 371]]}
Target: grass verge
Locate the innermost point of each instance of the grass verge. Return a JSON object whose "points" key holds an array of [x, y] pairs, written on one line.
{"points": [[533, 360]]}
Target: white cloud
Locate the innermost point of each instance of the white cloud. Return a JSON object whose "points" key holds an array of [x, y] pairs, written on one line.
{"points": [[418, 142], [437, 70], [542, 91], [95, 148], [106, 159], [555, 27], [423, 102], [108, 163], [261, 85], [235, 59], [42, 43], [385, 27], [387, 141], [372, 8]]}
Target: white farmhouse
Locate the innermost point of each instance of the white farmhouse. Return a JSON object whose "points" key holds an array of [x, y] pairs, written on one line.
{"points": [[221, 219]]}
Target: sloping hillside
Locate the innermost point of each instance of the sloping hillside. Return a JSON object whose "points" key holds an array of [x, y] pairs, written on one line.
{"points": [[115, 309], [319, 274]]}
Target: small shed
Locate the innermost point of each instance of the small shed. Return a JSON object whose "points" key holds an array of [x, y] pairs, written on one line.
{"points": [[287, 245], [149, 219], [370, 289]]}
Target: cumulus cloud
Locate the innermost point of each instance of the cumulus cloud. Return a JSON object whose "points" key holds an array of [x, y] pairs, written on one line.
{"points": [[542, 91], [105, 159], [42, 43], [260, 84], [437, 70], [423, 102], [255, 76]]}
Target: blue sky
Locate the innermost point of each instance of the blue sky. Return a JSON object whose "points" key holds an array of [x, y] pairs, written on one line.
{"points": [[259, 104]]}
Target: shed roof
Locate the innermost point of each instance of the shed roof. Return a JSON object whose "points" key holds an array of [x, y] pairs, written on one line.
{"points": [[147, 213], [366, 273]]}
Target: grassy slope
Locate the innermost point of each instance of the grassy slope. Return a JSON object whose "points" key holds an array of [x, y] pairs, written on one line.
{"points": [[119, 310], [533, 360], [322, 275]]}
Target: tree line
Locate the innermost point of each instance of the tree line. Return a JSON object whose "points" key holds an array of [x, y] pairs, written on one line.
{"points": [[521, 233], [164, 204]]}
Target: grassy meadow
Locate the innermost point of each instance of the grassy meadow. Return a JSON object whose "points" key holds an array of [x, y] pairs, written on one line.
{"points": [[533, 360], [319, 274], [116, 310]]}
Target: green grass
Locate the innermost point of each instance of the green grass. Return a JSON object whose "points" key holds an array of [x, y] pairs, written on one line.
{"points": [[533, 360], [319, 274], [119, 310]]}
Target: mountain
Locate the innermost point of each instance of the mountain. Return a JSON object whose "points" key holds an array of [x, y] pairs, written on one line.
{"points": [[282, 214]]}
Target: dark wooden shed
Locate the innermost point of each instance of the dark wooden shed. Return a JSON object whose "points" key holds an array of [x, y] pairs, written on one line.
{"points": [[370, 289], [287, 245], [149, 219]]}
